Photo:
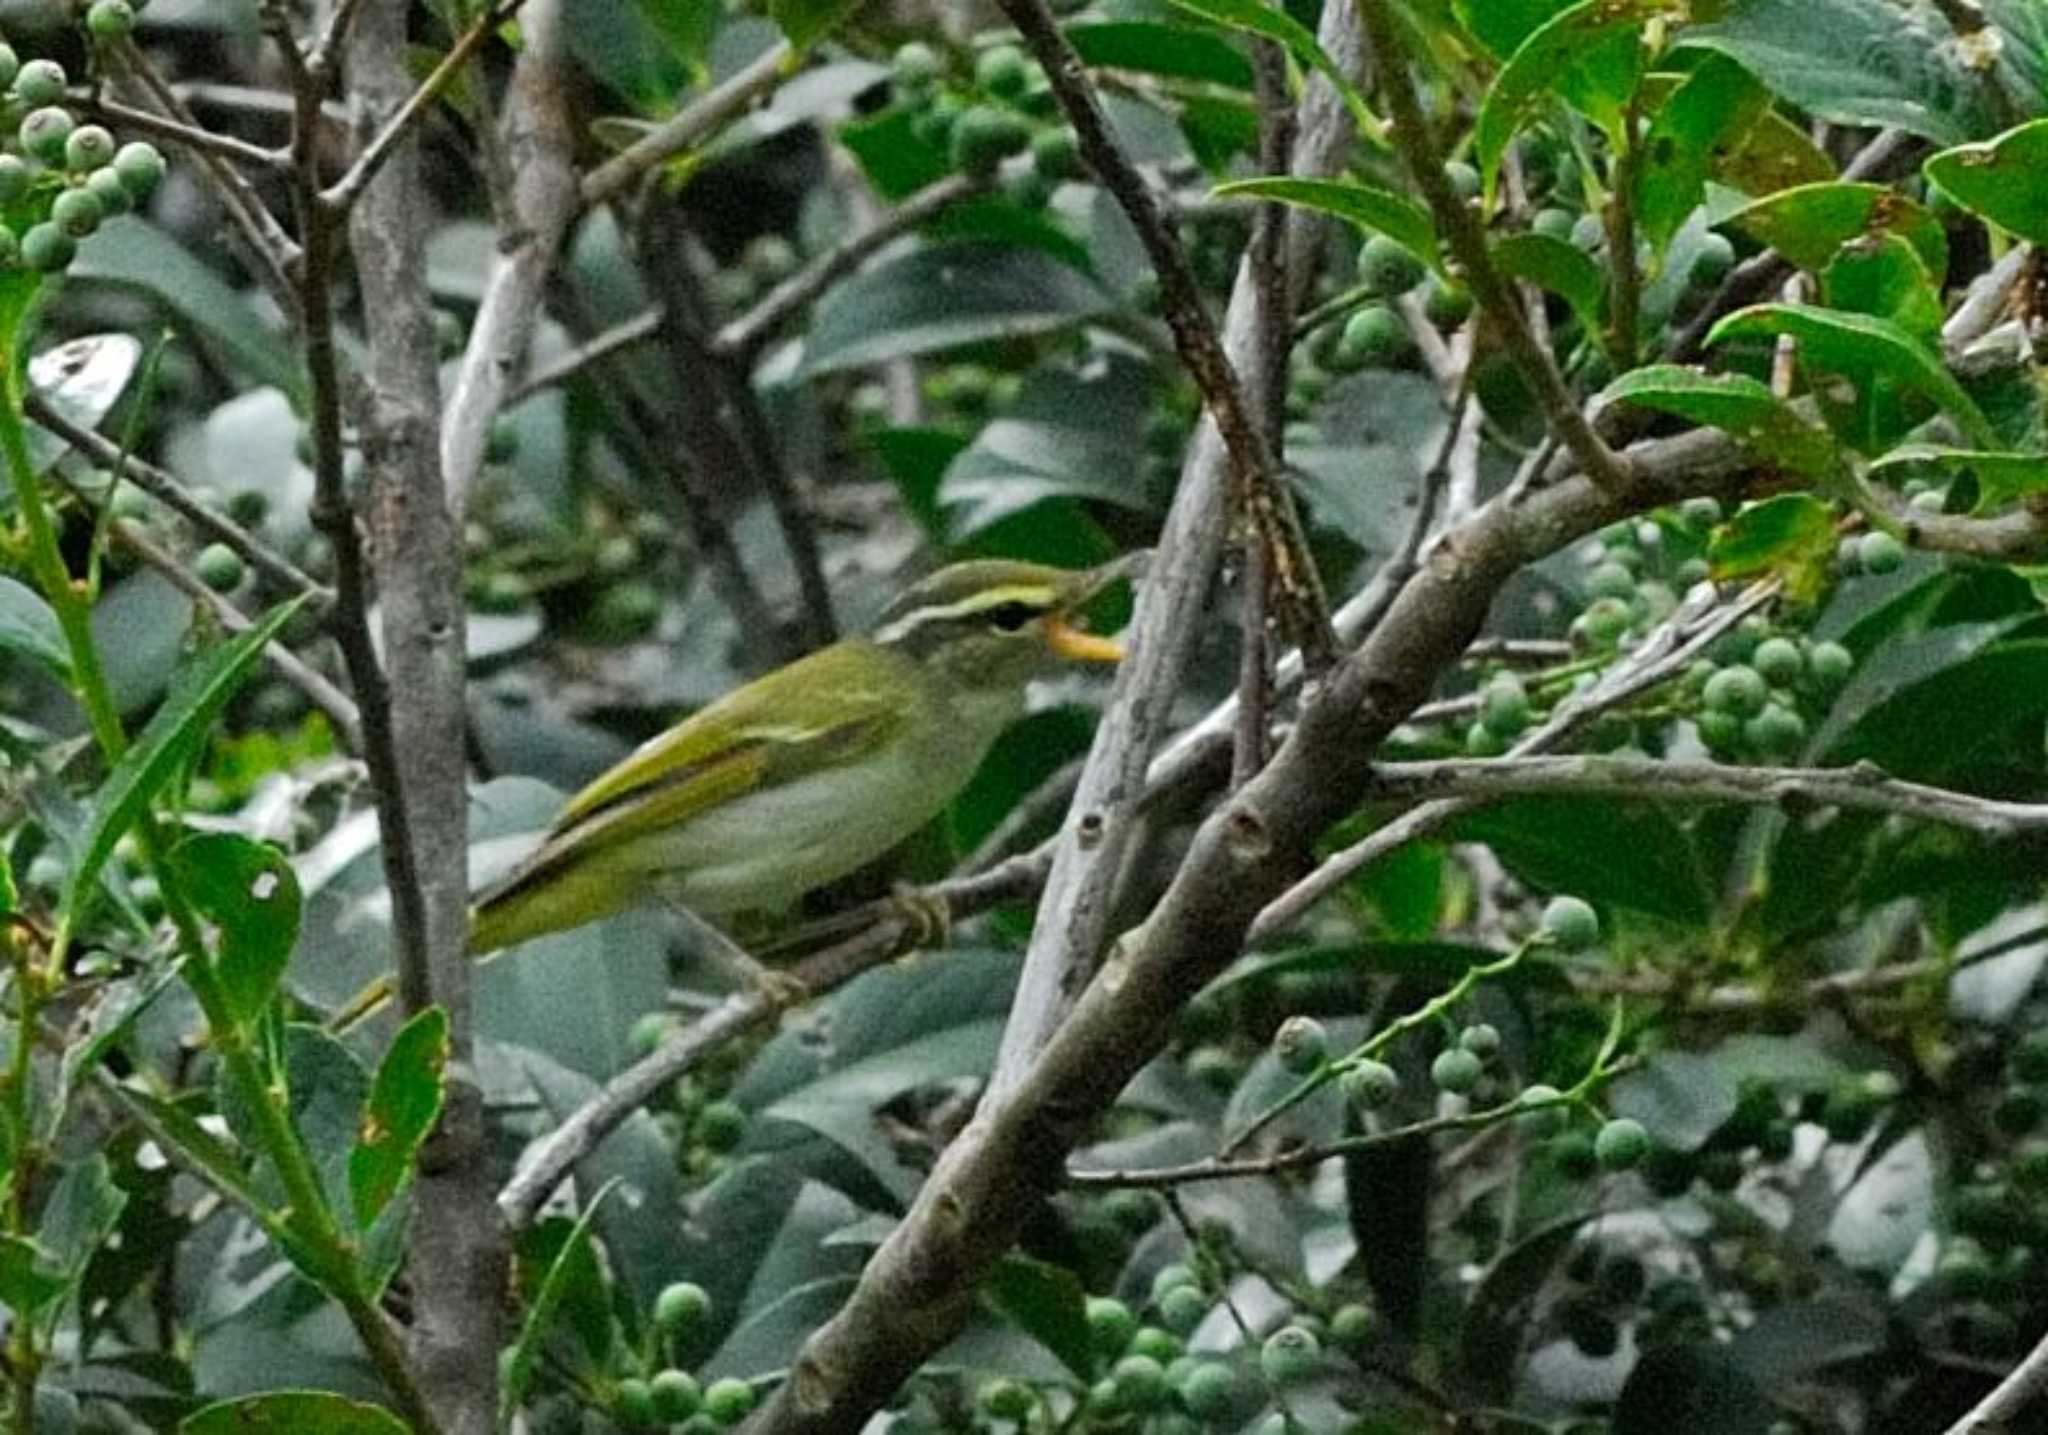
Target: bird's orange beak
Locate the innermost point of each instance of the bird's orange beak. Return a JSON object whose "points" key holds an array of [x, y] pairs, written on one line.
{"points": [[1071, 643]]}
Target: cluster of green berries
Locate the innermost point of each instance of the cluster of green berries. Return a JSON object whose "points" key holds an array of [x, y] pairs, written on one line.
{"points": [[999, 117], [59, 180], [672, 1398], [1756, 707]]}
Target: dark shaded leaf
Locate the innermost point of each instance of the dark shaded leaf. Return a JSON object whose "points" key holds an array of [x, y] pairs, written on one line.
{"points": [[1562, 268], [1160, 50], [1496, 1318], [1588, 53], [1274, 23], [1681, 1098], [1633, 856], [1048, 1303], [806, 22], [574, 1263]]}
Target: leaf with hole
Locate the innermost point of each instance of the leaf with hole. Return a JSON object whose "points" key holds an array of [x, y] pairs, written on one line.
{"points": [[1810, 222], [1708, 116], [249, 892], [2004, 179], [404, 1103]]}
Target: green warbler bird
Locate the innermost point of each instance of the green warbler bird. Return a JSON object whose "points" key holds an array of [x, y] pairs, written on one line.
{"points": [[807, 773]]}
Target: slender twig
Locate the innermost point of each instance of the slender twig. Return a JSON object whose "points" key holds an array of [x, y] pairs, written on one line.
{"points": [[1460, 229], [324, 58], [191, 136], [695, 121], [623, 335], [1998, 1413]]}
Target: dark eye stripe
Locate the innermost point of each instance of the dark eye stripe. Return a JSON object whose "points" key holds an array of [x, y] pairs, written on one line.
{"points": [[1011, 616]]}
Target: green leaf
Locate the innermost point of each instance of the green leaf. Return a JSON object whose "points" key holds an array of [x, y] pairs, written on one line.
{"points": [[1154, 49], [573, 1260], [1709, 115], [686, 25], [1502, 25], [199, 692], [1776, 154], [1736, 404], [1636, 857], [1857, 345], [1855, 62], [1498, 1313], [2001, 478], [405, 1102], [249, 891], [1561, 267], [1884, 276], [131, 254], [943, 296], [1694, 1387], [27, 1284], [1046, 1302], [2004, 179], [892, 153], [1274, 23], [1590, 54], [806, 22], [1927, 728], [1792, 535], [292, 1412], [1810, 222], [81, 1213], [1379, 210], [1681, 1097], [29, 629]]}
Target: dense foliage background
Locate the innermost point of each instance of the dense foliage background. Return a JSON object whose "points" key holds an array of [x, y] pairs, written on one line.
{"points": [[1607, 995]]}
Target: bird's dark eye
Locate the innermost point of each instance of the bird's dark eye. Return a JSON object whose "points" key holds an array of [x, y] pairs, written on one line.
{"points": [[1011, 616]]}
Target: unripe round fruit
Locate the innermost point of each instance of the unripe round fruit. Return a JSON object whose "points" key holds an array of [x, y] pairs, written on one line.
{"points": [[1483, 741], [1209, 1391], [1301, 1044], [219, 567], [1720, 732], [141, 167], [1603, 624], [1779, 661], [1140, 1382], [15, 178], [1056, 153], [728, 1401], [47, 248], [77, 212], [1289, 1355], [1621, 1145], [1700, 512], [1110, 1324], [1448, 306], [1740, 690], [1182, 1309], [915, 65], [1376, 337], [40, 82], [1001, 71], [1482, 1039], [1388, 267], [1456, 1070], [10, 65], [719, 1126], [984, 137], [1879, 553], [1711, 265], [633, 1402], [1464, 179], [1611, 580], [770, 258], [680, 1308], [1158, 1343], [1777, 731], [1005, 1399], [1588, 232], [1542, 1120], [1353, 1325], [1553, 224], [1370, 1085], [648, 1032], [676, 1396], [1504, 705], [105, 185], [110, 19], [626, 611], [1571, 923], [45, 132], [88, 148]]}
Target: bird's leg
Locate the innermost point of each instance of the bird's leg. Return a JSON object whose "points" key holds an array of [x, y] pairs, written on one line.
{"points": [[779, 989], [928, 918]]}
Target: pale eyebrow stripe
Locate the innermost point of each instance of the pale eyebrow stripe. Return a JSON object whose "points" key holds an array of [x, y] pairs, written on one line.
{"points": [[975, 603]]}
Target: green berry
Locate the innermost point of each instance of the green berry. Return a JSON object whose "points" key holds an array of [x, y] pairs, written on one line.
{"points": [[770, 258], [1779, 661], [1209, 1391], [1056, 153], [1132, 1212], [1574, 1156], [1931, 501], [1183, 1308], [105, 185], [1448, 306], [1028, 189], [219, 567], [984, 137], [1157, 1343], [1006, 1399], [1504, 705], [1456, 1070], [1879, 552], [1482, 1039], [1388, 267], [15, 178], [915, 65], [110, 19], [1542, 1120], [719, 1126], [45, 132], [1290, 1355], [77, 212], [47, 248], [1711, 265], [1353, 1325], [1571, 923], [1370, 1085], [40, 82], [1464, 179], [1604, 623], [1111, 1324], [680, 1308], [1553, 224], [2029, 1059], [141, 167], [625, 611], [1621, 1145], [1739, 689], [1375, 337], [1776, 732], [1700, 512], [1611, 580], [1140, 1382], [1588, 232], [1483, 741], [1001, 71], [1720, 732], [633, 1401], [1301, 1044], [10, 65], [729, 1400], [676, 1396], [88, 148]]}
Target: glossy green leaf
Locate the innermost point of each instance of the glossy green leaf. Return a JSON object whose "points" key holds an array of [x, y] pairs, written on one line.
{"points": [[1736, 404], [1274, 23], [573, 1260], [1925, 726], [893, 153], [2001, 478], [1708, 115], [1791, 535], [943, 296], [2004, 179], [292, 1412], [27, 1283], [1855, 62], [1810, 222], [29, 629], [1561, 267], [202, 688], [1380, 211], [248, 890], [805, 22], [1502, 25], [1589, 54], [1046, 1302], [1775, 154], [404, 1103], [1884, 276], [1853, 344], [1154, 49]]}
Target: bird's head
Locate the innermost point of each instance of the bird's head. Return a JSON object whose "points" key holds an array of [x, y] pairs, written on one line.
{"points": [[994, 624]]}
